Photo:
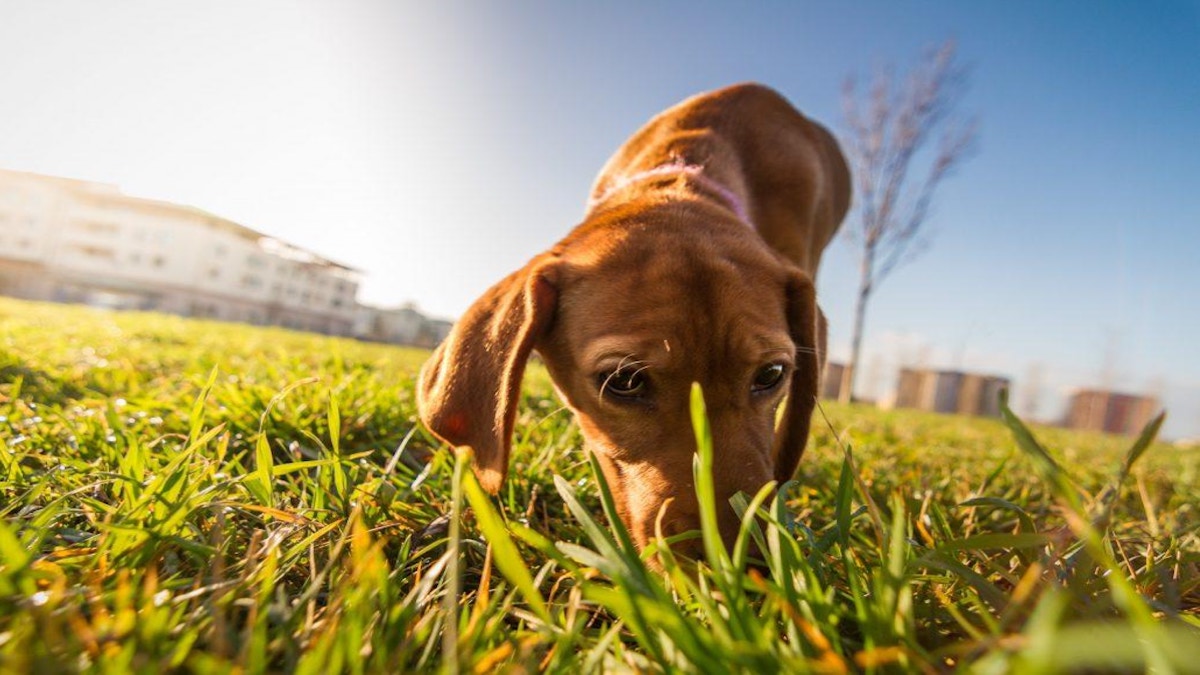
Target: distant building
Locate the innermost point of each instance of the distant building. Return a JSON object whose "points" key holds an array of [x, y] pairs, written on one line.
{"points": [[74, 241], [950, 391], [401, 325], [1110, 412], [831, 380]]}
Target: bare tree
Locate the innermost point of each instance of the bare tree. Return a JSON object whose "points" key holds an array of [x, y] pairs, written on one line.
{"points": [[889, 129]]}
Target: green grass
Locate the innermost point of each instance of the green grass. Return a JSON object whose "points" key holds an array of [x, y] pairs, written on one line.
{"points": [[187, 495]]}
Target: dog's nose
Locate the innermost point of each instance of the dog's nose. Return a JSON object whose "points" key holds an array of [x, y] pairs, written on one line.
{"points": [[693, 548], [684, 523], [689, 548]]}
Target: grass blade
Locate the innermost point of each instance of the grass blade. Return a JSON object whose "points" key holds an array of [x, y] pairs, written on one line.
{"points": [[504, 551], [702, 472]]}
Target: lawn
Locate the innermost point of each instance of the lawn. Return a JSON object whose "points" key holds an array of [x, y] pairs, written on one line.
{"points": [[187, 495]]}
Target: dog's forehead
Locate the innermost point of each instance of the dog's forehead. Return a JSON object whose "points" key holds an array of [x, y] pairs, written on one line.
{"points": [[669, 249], [676, 301]]}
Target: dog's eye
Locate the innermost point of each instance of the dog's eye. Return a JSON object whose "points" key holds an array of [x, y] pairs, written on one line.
{"points": [[767, 377], [627, 382]]}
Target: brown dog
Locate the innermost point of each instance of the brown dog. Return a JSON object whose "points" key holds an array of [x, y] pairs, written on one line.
{"points": [[694, 263]]}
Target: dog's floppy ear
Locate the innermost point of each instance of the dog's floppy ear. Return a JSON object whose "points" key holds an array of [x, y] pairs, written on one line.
{"points": [[807, 326], [469, 388]]}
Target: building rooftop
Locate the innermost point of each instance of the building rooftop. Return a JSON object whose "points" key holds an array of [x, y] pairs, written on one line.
{"points": [[107, 192]]}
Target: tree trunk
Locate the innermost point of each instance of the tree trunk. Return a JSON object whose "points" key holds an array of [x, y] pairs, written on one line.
{"points": [[849, 373]]}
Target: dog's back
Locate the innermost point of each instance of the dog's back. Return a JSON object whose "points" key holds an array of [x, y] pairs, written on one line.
{"points": [[750, 139]]}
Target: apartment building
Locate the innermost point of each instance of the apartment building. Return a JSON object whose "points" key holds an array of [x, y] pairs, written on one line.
{"points": [[1109, 411], [404, 325], [831, 380], [950, 391], [75, 241]]}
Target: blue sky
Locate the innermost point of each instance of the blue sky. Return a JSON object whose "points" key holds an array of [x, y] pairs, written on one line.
{"points": [[438, 146]]}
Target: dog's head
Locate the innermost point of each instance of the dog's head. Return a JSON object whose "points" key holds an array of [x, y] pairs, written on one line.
{"points": [[626, 318]]}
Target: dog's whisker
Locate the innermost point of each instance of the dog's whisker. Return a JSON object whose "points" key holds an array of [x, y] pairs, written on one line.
{"points": [[626, 362]]}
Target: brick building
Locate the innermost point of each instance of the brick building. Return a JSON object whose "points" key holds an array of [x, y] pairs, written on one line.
{"points": [[950, 391], [1110, 412]]}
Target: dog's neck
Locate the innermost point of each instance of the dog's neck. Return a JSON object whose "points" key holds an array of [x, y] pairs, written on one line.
{"points": [[678, 168]]}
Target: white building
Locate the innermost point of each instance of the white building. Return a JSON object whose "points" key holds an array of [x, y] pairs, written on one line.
{"points": [[404, 325], [74, 241]]}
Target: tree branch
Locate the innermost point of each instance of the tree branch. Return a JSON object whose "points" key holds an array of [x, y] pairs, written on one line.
{"points": [[888, 130]]}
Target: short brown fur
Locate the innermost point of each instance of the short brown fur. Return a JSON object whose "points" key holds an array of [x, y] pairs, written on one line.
{"points": [[664, 272]]}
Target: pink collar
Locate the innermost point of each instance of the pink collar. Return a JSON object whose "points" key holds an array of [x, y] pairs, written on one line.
{"points": [[677, 167]]}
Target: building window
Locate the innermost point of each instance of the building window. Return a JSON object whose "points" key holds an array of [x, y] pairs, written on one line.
{"points": [[214, 272], [96, 252], [159, 261], [98, 227]]}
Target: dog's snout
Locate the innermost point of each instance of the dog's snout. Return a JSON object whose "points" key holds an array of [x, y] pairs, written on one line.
{"points": [[681, 524], [677, 528]]}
